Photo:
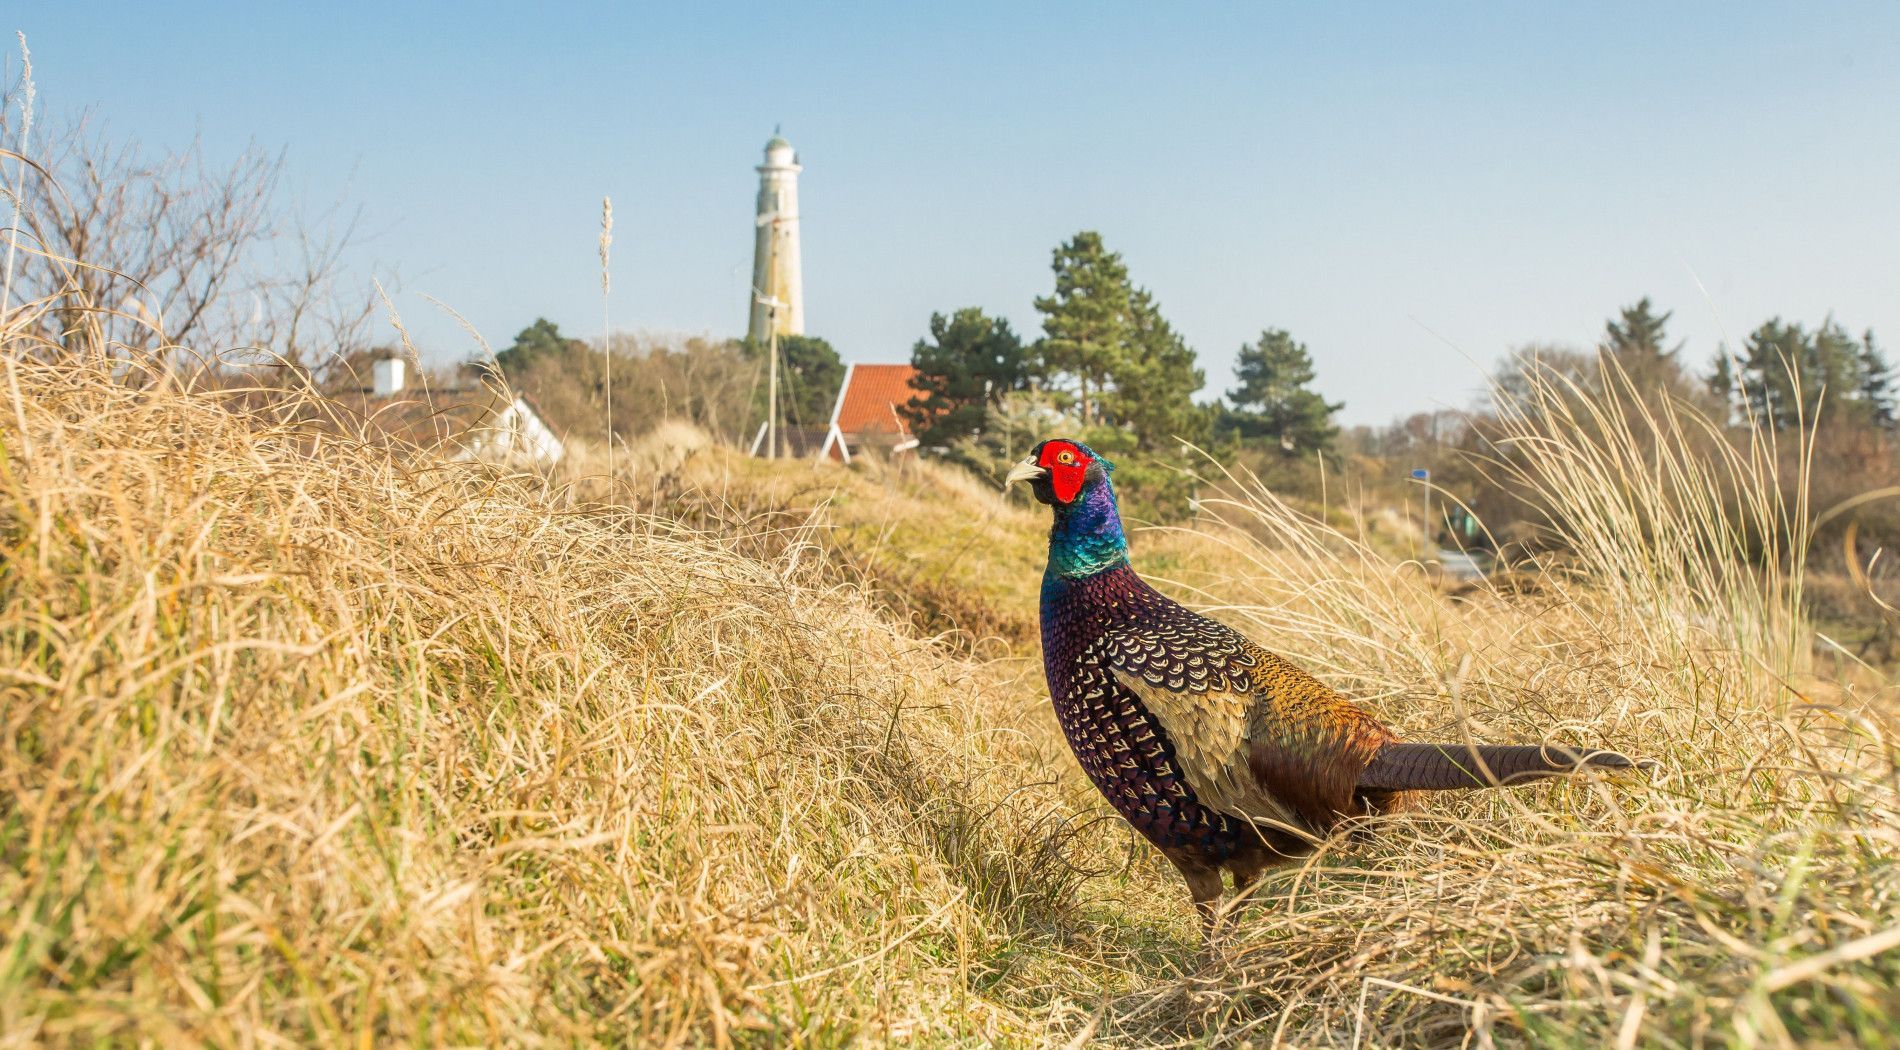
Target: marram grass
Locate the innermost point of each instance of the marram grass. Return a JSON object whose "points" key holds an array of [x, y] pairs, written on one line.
{"points": [[305, 740]]}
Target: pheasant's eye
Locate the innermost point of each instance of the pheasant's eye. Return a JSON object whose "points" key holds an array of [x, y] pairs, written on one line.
{"points": [[1066, 458]]}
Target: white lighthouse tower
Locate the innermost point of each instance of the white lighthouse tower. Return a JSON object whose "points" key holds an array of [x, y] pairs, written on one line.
{"points": [[778, 293]]}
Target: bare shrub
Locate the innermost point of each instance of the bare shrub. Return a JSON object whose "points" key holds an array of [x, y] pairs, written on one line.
{"points": [[150, 254]]}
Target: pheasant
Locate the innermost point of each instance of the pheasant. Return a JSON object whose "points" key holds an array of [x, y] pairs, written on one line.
{"points": [[1222, 754]]}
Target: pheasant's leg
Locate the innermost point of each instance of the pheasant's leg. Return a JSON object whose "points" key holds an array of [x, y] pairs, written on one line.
{"points": [[1247, 875], [1204, 886]]}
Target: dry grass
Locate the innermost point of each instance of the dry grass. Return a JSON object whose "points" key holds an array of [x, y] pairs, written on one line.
{"points": [[305, 741], [1747, 895], [938, 547]]}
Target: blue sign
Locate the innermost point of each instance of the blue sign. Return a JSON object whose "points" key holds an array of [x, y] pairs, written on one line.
{"points": [[1421, 474]]}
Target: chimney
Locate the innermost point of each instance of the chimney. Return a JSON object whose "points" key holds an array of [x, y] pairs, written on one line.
{"points": [[387, 376]]}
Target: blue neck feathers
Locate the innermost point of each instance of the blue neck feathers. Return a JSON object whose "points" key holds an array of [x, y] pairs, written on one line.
{"points": [[1087, 535]]}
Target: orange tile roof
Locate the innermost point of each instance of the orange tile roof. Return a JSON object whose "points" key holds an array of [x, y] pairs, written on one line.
{"points": [[871, 398]]}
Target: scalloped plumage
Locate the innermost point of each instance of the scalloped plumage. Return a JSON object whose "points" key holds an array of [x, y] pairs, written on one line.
{"points": [[1224, 755]]}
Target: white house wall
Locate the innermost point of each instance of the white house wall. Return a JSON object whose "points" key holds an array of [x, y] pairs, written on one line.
{"points": [[536, 440], [515, 433]]}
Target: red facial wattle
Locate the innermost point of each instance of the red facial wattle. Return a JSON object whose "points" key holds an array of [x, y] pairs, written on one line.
{"points": [[1067, 465]]}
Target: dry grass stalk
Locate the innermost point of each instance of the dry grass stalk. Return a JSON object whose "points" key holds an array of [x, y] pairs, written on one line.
{"points": [[606, 321]]}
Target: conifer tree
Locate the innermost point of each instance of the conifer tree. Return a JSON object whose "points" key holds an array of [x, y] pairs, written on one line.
{"points": [[1789, 376], [1154, 386], [1638, 335], [1776, 383], [1722, 382], [1086, 322], [539, 341], [1275, 398], [964, 369], [1636, 341], [1876, 383]]}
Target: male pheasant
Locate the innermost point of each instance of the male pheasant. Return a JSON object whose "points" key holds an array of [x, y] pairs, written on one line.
{"points": [[1223, 754]]}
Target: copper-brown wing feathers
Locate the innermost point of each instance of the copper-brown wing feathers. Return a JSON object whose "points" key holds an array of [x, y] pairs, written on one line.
{"points": [[1257, 737]]}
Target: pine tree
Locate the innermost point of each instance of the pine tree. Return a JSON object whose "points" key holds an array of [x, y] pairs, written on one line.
{"points": [[1722, 381], [1636, 341], [1876, 383], [1637, 338], [1836, 360], [1154, 387], [965, 367], [1086, 323], [1131, 369], [1275, 398], [1776, 383], [1791, 377], [540, 340]]}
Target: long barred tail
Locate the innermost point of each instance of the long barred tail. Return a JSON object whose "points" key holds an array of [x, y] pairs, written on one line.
{"points": [[1446, 767]]}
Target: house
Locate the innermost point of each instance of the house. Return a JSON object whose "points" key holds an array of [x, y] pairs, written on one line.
{"points": [[866, 413], [477, 421]]}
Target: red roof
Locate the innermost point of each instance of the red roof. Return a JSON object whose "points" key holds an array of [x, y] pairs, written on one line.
{"points": [[871, 398]]}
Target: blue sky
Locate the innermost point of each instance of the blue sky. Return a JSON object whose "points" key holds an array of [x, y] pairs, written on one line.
{"points": [[1411, 190]]}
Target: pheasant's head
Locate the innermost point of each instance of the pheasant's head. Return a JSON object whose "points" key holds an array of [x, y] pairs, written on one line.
{"points": [[1070, 477], [1059, 469]]}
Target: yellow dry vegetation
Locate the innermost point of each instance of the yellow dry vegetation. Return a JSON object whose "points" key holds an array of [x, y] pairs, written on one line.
{"points": [[310, 739], [304, 739]]}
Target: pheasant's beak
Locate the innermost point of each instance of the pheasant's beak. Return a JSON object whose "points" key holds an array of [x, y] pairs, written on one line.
{"points": [[1027, 470]]}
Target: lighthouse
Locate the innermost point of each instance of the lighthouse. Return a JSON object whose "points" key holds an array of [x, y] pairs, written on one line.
{"points": [[778, 294]]}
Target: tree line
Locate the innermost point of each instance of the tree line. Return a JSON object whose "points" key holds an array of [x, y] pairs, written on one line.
{"points": [[1109, 360], [1110, 367]]}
